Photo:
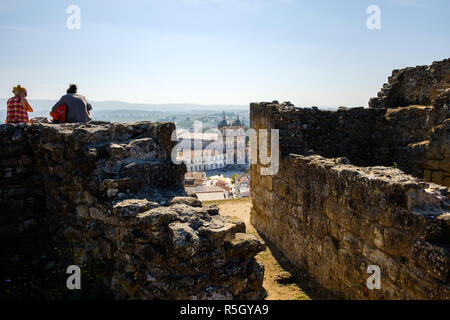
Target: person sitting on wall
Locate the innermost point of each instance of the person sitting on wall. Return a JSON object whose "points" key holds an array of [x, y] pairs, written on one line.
{"points": [[18, 107], [77, 107]]}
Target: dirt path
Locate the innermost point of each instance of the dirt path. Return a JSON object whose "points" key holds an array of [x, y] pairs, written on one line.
{"points": [[278, 282]]}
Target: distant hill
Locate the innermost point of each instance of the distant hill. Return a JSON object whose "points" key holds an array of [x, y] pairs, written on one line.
{"points": [[117, 111], [44, 105], [125, 112], [182, 107], [128, 115]]}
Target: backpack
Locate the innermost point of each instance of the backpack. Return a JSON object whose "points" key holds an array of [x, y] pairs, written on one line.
{"points": [[59, 115]]}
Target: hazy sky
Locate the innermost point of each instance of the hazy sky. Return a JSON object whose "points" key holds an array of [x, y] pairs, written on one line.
{"points": [[310, 52]]}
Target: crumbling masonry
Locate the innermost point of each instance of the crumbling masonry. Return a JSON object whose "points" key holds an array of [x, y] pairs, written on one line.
{"points": [[361, 187], [109, 199]]}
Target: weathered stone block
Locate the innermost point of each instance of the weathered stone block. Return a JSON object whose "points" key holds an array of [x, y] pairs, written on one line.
{"points": [[446, 181], [427, 175], [445, 165], [431, 164], [437, 177], [244, 243]]}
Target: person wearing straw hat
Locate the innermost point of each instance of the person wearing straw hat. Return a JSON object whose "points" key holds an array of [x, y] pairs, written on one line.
{"points": [[18, 106]]}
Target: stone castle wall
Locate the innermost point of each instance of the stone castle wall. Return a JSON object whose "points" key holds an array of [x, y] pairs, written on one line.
{"points": [[414, 86], [111, 200], [414, 139], [333, 211], [22, 201]]}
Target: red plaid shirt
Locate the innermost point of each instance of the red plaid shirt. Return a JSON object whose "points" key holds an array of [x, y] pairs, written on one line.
{"points": [[16, 111]]}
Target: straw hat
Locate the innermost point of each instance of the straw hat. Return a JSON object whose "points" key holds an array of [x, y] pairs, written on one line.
{"points": [[19, 90]]}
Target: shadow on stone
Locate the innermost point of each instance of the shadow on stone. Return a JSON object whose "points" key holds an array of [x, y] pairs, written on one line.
{"points": [[300, 277]]}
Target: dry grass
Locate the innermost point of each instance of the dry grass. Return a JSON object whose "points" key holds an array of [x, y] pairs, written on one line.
{"points": [[279, 283]]}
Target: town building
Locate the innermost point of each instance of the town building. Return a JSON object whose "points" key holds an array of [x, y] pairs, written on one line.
{"points": [[243, 186], [208, 193], [194, 179], [202, 160], [213, 153]]}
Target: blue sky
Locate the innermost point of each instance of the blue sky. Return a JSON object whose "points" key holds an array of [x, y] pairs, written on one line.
{"points": [[217, 51]]}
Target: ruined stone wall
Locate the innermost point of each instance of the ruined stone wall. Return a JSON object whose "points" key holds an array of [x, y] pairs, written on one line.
{"points": [[20, 195], [437, 162], [115, 206], [347, 131], [436, 165], [21, 204], [414, 86], [406, 138], [416, 138], [333, 219]]}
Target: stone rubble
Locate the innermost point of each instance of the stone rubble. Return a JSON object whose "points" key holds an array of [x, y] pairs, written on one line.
{"points": [[414, 86]]}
